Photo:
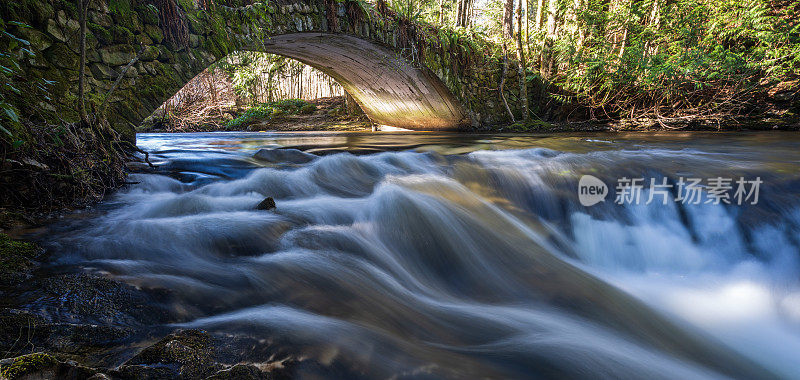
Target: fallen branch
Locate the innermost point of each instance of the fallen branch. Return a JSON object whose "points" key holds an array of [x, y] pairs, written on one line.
{"points": [[121, 75]]}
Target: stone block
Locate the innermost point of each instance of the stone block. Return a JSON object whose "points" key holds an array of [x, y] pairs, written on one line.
{"points": [[102, 71], [154, 33], [116, 55], [55, 31]]}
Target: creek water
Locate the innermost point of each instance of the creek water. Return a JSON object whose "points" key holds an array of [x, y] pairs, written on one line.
{"points": [[447, 255]]}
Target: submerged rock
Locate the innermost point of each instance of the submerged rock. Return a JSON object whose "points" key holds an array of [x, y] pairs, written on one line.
{"points": [[94, 299], [189, 352], [267, 204], [239, 372], [290, 156]]}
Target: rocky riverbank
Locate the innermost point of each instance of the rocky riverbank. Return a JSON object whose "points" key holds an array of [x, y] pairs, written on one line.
{"points": [[59, 323]]}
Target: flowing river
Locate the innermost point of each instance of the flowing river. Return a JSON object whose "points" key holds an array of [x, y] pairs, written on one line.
{"points": [[447, 255]]}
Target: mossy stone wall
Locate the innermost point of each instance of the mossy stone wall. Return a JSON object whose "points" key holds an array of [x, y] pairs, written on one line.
{"points": [[119, 30]]}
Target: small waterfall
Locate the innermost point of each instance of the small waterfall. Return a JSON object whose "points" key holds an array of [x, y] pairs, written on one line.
{"points": [[481, 263]]}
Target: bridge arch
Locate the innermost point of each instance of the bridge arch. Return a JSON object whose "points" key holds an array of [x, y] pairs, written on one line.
{"points": [[387, 87], [364, 50], [349, 47]]}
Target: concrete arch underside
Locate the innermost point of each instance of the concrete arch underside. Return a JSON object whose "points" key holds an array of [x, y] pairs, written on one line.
{"points": [[387, 87]]}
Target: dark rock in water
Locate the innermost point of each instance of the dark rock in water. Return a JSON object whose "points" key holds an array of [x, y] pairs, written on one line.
{"points": [[99, 300], [267, 204], [77, 315], [291, 156], [139, 372], [239, 372], [190, 352]]}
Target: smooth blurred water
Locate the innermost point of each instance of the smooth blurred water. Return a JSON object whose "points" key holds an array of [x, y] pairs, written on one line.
{"points": [[444, 255]]}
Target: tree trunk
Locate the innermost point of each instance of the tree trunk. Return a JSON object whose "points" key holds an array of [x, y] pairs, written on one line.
{"points": [[508, 19], [654, 22], [508, 30], [523, 87], [579, 24], [527, 25], [617, 28], [459, 7], [539, 9], [547, 42], [83, 8]]}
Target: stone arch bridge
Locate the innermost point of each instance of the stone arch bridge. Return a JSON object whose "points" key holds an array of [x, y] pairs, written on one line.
{"points": [[396, 77]]}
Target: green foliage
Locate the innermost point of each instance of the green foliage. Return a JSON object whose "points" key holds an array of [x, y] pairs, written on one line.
{"points": [[408, 9], [533, 125], [120, 7], [102, 34], [307, 109], [684, 54], [122, 35], [16, 85], [247, 68], [271, 110], [12, 48]]}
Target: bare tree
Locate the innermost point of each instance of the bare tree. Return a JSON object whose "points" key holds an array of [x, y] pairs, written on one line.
{"points": [[464, 12], [550, 34], [523, 87]]}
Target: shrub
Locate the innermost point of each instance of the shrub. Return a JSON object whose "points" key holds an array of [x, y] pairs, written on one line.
{"points": [[308, 109], [250, 115], [272, 110]]}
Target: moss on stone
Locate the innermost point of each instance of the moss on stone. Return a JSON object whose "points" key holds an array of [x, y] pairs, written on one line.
{"points": [[119, 7], [165, 55], [27, 364], [149, 54], [69, 7], [15, 257], [154, 33], [148, 13], [121, 35], [102, 34], [37, 39], [59, 55], [122, 14], [117, 55], [41, 11], [196, 25], [215, 46]]}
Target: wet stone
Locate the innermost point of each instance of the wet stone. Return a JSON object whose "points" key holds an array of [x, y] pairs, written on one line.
{"points": [[267, 204]]}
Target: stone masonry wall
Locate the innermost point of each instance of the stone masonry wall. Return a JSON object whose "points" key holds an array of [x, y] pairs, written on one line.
{"points": [[119, 29]]}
